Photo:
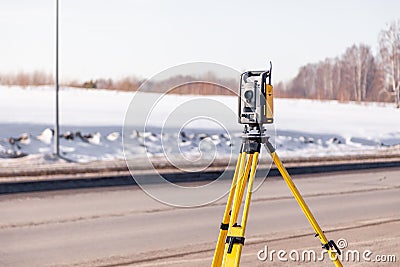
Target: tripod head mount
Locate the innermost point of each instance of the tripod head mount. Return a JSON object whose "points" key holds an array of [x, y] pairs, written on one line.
{"points": [[255, 136]]}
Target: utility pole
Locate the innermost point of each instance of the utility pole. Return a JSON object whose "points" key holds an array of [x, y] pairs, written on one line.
{"points": [[56, 128]]}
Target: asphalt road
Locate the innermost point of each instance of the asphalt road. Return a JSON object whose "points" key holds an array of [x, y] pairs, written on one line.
{"points": [[124, 226]]}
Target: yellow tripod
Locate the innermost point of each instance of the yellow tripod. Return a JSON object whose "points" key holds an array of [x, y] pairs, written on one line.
{"points": [[231, 235]]}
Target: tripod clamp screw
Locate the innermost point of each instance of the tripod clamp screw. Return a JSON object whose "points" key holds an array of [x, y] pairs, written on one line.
{"points": [[234, 240], [331, 245]]}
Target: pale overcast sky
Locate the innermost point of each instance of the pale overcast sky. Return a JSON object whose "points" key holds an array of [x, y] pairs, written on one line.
{"points": [[105, 38]]}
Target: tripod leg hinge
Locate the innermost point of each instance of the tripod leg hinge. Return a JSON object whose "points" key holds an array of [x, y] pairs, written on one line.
{"points": [[224, 226], [234, 240], [331, 245], [270, 147]]}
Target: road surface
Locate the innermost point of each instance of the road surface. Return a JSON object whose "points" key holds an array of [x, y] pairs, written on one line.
{"points": [[125, 227]]}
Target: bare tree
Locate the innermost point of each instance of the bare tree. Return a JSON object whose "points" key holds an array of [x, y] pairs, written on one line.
{"points": [[298, 85], [337, 82], [389, 42], [324, 79], [357, 64]]}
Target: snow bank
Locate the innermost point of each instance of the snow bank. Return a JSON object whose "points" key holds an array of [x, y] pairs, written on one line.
{"points": [[92, 121]]}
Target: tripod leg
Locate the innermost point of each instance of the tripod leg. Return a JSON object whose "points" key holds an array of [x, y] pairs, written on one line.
{"points": [[235, 239], [249, 190], [237, 198], [219, 249], [330, 246], [241, 186]]}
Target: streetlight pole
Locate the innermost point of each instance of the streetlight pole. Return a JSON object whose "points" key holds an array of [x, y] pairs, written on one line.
{"points": [[56, 128]]}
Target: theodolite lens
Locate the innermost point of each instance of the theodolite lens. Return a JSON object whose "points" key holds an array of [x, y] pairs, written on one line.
{"points": [[248, 95]]}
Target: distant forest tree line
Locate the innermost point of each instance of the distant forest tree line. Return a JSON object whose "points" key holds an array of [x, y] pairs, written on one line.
{"points": [[187, 84], [357, 75]]}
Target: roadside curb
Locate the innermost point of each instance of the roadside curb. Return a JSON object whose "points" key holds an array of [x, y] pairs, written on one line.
{"points": [[119, 176]]}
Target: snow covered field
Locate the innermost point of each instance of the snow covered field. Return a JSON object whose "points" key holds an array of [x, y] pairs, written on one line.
{"points": [[92, 123]]}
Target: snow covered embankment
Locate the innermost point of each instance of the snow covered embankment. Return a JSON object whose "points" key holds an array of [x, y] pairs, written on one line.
{"points": [[91, 126]]}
